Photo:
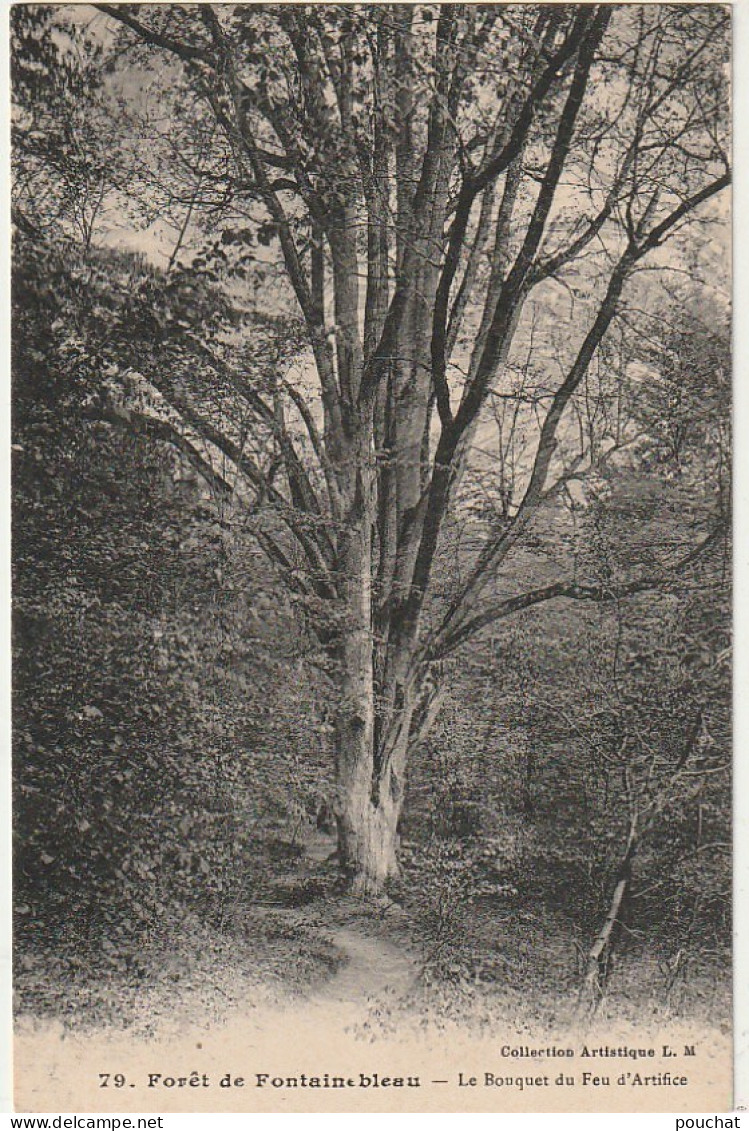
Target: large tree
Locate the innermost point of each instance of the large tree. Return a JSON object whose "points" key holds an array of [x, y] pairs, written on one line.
{"points": [[429, 179]]}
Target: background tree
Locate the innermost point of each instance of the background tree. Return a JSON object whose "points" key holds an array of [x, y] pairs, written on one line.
{"points": [[67, 160]]}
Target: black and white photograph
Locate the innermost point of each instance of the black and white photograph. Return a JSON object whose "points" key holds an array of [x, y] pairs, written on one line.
{"points": [[371, 425]]}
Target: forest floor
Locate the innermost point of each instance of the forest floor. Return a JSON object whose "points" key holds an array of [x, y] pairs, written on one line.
{"points": [[304, 980], [347, 997], [302, 939], [296, 941]]}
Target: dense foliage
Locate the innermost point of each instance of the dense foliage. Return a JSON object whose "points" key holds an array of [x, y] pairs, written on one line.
{"points": [[146, 658]]}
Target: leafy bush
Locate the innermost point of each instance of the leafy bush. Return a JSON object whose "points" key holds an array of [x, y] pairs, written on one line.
{"points": [[152, 716]]}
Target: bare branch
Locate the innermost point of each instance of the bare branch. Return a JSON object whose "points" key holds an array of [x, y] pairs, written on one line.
{"points": [[574, 591]]}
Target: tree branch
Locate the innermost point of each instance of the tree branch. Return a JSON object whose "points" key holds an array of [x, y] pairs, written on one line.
{"points": [[571, 590], [184, 51]]}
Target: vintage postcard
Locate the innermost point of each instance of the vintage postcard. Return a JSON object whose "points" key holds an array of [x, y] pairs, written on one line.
{"points": [[371, 441]]}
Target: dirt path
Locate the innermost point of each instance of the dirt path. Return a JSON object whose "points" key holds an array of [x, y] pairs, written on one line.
{"points": [[372, 966]]}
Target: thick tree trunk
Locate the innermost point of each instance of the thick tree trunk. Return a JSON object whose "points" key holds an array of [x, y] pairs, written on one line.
{"points": [[368, 786], [369, 793], [368, 839], [371, 789]]}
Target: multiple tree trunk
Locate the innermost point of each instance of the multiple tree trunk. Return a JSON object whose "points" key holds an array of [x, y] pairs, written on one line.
{"points": [[427, 157]]}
